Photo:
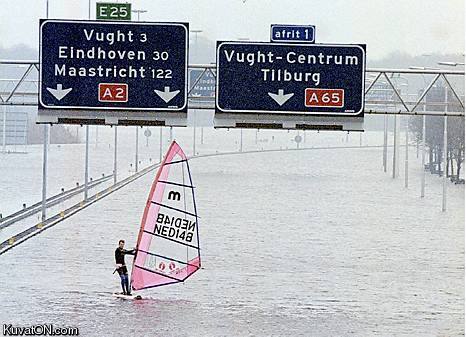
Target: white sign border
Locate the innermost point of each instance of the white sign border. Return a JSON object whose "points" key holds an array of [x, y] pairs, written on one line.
{"points": [[356, 113], [44, 106]]}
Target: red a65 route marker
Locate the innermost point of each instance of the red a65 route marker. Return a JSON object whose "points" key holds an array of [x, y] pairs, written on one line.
{"points": [[325, 98]]}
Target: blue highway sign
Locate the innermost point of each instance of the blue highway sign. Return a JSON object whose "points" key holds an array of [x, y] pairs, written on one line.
{"points": [[201, 83], [292, 33], [113, 65], [310, 79]]}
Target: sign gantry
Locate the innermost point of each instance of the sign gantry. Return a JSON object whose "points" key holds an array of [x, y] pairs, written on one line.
{"points": [[95, 66]]}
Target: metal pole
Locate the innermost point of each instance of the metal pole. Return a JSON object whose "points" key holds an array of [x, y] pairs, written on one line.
{"points": [[445, 153], [423, 156], [86, 170], [160, 150], [137, 149], [360, 139], [240, 140], [202, 135], [44, 173], [14, 137], [4, 129], [385, 142], [406, 152], [194, 134], [50, 135], [395, 171], [25, 131], [45, 153], [115, 154], [171, 134]]}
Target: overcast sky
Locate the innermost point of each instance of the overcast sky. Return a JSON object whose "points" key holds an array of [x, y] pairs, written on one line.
{"points": [[412, 26]]}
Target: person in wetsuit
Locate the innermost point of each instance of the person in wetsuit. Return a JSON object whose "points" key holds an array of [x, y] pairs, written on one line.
{"points": [[120, 253]]}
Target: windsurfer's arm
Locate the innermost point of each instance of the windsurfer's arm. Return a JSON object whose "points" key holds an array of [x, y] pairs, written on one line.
{"points": [[130, 252]]}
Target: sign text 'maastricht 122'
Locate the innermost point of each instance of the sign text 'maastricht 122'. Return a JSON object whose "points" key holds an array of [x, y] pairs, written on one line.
{"points": [[146, 57]]}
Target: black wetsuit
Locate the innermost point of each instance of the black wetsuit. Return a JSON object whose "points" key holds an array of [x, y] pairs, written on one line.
{"points": [[123, 271], [120, 259]]}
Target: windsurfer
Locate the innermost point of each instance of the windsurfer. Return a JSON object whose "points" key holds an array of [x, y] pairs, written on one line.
{"points": [[120, 253]]}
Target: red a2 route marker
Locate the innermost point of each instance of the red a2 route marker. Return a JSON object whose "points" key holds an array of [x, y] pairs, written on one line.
{"points": [[330, 98], [113, 92]]}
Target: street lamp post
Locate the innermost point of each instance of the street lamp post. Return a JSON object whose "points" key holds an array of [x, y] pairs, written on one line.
{"points": [[45, 154], [395, 147], [138, 12], [160, 144], [406, 151], [423, 142], [385, 142], [445, 153], [196, 53], [115, 154], [137, 150], [445, 136], [241, 140], [4, 129], [86, 164]]}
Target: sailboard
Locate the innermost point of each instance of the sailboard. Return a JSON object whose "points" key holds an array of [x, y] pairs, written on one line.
{"points": [[127, 297], [167, 248]]}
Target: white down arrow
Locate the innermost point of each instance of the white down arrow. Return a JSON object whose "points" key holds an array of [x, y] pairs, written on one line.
{"points": [[59, 93], [166, 94], [281, 97]]}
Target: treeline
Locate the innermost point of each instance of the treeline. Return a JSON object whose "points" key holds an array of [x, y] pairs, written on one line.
{"points": [[435, 136]]}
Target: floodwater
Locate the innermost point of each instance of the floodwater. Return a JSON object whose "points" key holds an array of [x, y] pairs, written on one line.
{"points": [[302, 243]]}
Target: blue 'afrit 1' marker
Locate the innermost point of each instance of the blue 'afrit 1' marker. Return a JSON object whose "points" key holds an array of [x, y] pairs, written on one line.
{"points": [[292, 33]]}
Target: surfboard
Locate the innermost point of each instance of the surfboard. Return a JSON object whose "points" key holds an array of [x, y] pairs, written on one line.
{"points": [[127, 297]]}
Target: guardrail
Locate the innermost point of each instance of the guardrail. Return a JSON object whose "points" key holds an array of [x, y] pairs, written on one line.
{"points": [[51, 201], [57, 218]]}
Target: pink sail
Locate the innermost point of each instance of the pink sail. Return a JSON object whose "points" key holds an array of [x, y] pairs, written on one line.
{"points": [[167, 249]]}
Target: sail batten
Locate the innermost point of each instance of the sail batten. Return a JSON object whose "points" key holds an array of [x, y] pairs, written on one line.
{"points": [[172, 183], [181, 243], [167, 249], [169, 258], [174, 209]]}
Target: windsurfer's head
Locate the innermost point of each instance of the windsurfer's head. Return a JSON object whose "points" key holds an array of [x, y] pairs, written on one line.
{"points": [[121, 243]]}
